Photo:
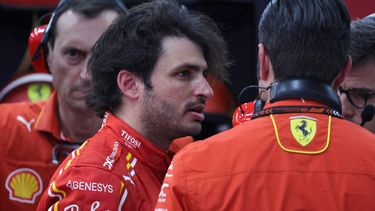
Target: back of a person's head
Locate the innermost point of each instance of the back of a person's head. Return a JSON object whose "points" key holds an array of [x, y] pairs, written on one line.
{"points": [[362, 40], [306, 38], [134, 43]]}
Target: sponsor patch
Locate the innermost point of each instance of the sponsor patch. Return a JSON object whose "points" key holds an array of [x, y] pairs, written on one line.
{"points": [[24, 185], [303, 129], [162, 194], [72, 207], [132, 161], [90, 186], [110, 159], [129, 140], [38, 91], [26, 123]]}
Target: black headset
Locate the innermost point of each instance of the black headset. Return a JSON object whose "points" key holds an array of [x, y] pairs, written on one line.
{"points": [[305, 89], [294, 89]]}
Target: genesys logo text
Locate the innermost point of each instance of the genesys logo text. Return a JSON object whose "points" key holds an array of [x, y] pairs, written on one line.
{"points": [[90, 186]]}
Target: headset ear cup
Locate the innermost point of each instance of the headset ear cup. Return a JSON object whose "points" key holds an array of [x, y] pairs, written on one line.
{"points": [[243, 113], [36, 50], [258, 105]]}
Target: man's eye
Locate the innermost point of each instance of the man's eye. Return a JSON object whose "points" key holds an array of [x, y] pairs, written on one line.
{"points": [[72, 53], [205, 73], [183, 74]]}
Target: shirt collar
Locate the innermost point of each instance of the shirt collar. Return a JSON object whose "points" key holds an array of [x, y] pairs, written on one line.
{"points": [[138, 145], [294, 102], [48, 120]]}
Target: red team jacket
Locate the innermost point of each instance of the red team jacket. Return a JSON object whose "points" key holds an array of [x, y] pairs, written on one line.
{"points": [[290, 161], [30, 134], [117, 169]]}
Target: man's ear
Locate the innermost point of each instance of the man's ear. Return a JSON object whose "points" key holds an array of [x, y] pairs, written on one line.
{"points": [[342, 74], [264, 63], [266, 74], [129, 84]]}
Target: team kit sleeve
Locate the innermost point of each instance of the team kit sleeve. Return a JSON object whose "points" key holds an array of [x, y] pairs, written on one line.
{"points": [[173, 190], [84, 188]]}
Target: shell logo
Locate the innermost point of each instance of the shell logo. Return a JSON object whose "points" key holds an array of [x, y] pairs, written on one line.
{"points": [[24, 185]]}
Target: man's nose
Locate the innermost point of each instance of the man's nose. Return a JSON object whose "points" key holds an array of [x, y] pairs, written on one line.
{"points": [[84, 75], [204, 89]]}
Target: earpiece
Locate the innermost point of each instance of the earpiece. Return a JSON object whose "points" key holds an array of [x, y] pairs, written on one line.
{"points": [[289, 89], [37, 59], [245, 111]]}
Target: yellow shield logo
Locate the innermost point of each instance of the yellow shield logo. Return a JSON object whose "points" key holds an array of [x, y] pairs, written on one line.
{"points": [[303, 129], [38, 91]]}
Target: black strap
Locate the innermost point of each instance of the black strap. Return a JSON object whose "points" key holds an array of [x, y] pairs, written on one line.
{"points": [[305, 89], [298, 109]]}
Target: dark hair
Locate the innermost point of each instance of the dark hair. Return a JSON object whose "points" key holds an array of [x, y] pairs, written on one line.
{"points": [[134, 42], [88, 8], [306, 38], [362, 39]]}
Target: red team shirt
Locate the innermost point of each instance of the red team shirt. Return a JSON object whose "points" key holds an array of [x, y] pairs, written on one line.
{"points": [[29, 134], [290, 161], [117, 169]]}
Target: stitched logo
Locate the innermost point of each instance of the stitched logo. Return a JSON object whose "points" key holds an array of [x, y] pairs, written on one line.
{"points": [[24, 185], [303, 129]]}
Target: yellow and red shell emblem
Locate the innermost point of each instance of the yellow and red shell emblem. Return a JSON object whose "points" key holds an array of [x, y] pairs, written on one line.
{"points": [[24, 185]]}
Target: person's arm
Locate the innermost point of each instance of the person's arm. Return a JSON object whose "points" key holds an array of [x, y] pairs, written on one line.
{"points": [[173, 191], [84, 188]]}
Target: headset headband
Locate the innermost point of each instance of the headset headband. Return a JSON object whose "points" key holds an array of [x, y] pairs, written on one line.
{"points": [[306, 89]]}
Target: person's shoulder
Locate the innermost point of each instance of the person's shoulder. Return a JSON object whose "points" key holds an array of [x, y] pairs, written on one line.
{"points": [[81, 185], [26, 109], [351, 130], [203, 152], [224, 140], [102, 151]]}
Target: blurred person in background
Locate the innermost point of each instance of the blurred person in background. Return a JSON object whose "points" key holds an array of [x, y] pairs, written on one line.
{"points": [[36, 137], [358, 90]]}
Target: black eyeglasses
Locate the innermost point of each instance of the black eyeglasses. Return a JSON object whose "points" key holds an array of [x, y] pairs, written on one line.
{"points": [[357, 97]]}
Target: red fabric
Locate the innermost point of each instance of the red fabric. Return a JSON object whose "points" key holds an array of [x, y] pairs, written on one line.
{"points": [[222, 102], [29, 131], [360, 8], [117, 169], [30, 3], [180, 143], [245, 168]]}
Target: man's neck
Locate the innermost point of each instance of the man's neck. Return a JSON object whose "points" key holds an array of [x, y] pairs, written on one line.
{"points": [[160, 138], [78, 124]]}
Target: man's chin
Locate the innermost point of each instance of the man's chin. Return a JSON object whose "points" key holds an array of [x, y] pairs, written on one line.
{"points": [[80, 105], [192, 129]]}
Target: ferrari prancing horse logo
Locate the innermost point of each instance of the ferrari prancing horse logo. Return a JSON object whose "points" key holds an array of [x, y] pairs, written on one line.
{"points": [[303, 129]]}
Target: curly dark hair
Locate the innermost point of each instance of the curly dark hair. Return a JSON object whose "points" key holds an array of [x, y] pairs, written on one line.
{"points": [[134, 42]]}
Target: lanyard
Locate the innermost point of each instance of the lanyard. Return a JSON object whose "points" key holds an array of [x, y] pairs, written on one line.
{"points": [[297, 109]]}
